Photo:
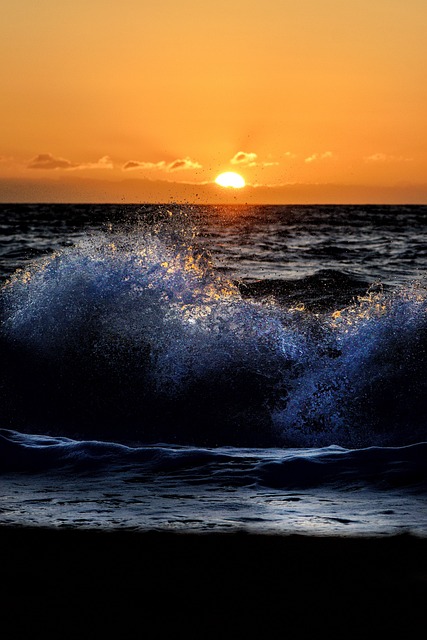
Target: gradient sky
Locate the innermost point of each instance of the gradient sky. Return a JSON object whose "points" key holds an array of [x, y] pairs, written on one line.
{"points": [[309, 100]]}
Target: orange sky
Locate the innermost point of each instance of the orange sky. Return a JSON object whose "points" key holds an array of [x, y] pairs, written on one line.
{"points": [[130, 101]]}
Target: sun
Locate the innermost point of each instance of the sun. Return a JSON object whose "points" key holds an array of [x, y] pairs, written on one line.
{"points": [[230, 179]]}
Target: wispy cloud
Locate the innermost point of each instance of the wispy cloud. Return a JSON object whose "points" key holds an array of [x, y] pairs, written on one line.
{"points": [[135, 164], [49, 162], [245, 159], [103, 163], [185, 163], [384, 158], [177, 165], [315, 157]]}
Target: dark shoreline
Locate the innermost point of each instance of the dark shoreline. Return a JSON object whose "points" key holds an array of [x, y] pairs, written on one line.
{"points": [[240, 581]]}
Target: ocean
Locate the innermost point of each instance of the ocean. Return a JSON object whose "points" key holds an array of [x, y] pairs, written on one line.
{"points": [[199, 369]]}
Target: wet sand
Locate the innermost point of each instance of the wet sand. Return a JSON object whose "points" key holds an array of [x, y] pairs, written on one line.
{"points": [[211, 585]]}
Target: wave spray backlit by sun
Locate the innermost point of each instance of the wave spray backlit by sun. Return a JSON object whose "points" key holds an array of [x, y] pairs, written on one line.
{"points": [[136, 336]]}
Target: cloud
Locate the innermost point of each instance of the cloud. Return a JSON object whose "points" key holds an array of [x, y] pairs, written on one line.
{"points": [[177, 165], [319, 156], [49, 162], [134, 164], [383, 157], [185, 163], [245, 159], [103, 163]]}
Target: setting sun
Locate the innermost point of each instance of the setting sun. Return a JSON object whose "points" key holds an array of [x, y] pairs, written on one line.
{"points": [[230, 179]]}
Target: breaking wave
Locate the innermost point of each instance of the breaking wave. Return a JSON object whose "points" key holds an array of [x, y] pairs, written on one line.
{"points": [[133, 336]]}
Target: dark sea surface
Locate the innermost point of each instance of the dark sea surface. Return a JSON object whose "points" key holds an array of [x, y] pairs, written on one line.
{"points": [[221, 369]]}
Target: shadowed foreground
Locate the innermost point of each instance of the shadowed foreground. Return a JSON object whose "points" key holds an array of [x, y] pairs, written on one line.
{"points": [[213, 585]]}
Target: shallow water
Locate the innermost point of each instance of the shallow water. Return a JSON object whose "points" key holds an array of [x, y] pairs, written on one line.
{"points": [[112, 502]]}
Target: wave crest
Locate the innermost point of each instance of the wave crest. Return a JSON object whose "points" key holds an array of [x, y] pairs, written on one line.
{"points": [[134, 335]]}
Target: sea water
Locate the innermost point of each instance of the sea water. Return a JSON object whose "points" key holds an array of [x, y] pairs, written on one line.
{"points": [[214, 368]]}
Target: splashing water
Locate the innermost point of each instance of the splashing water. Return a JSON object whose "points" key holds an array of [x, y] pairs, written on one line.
{"points": [[373, 390], [134, 336]]}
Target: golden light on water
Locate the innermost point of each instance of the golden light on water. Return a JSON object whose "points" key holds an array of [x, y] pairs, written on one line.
{"points": [[230, 179]]}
